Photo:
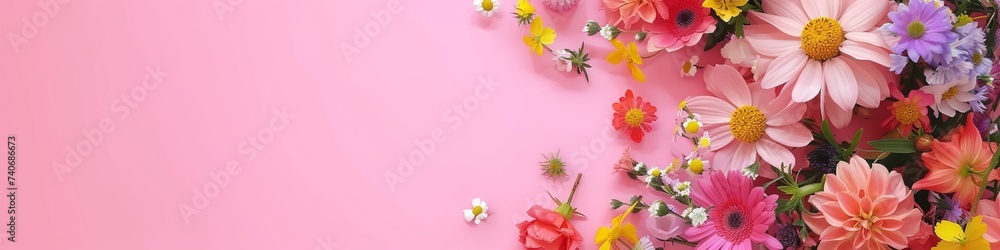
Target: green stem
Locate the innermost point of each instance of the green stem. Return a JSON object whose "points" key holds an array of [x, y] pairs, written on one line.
{"points": [[573, 191], [810, 189], [985, 181]]}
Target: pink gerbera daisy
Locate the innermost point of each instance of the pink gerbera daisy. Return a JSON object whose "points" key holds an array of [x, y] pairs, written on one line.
{"points": [[832, 46], [740, 213], [748, 121], [688, 22]]}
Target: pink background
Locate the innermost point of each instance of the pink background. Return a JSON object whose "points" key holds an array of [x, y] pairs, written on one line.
{"points": [[319, 181]]}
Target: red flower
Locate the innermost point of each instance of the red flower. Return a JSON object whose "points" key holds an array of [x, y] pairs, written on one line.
{"points": [[549, 230], [632, 116], [909, 112]]}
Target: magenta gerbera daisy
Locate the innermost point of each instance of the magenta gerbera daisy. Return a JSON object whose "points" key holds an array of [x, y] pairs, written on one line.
{"points": [[687, 22], [740, 213]]}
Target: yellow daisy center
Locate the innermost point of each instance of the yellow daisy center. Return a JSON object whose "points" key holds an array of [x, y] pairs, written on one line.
{"points": [[691, 127], [696, 165], [821, 38], [686, 67], [949, 94], [916, 29], [634, 117], [477, 210], [487, 5], [656, 172], [747, 124], [977, 58], [906, 112]]}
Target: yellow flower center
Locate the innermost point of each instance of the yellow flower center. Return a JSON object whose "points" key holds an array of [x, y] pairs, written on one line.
{"points": [[656, 172], [696, 165], [686, 67], [949, 94], [477, 210], [634, 117], [906, 112], [704, 142], [747, 124], [916, 29], [682, 105], [691, 127], [821, 38], [487, 5], [977, 58]]}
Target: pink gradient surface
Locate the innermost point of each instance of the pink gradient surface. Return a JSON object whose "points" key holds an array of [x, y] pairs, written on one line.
{"points": [[175, 97]]}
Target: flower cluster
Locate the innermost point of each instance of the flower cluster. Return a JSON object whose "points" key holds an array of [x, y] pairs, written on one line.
{"points": [[772, 157]]}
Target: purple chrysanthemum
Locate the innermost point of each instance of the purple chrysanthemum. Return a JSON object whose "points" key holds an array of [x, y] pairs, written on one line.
{"points": [[923, 28], [982, 122]]}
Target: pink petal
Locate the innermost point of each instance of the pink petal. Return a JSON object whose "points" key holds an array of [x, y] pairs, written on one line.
{"points": [[784, 68], [721, 136], [769, 41], [761, 96], [725, 81], [863, 15], [823, 8], [711, 109], [792, 135], [791, 113], [870, 38], [787, 25], [745, 155], [774, 154], [809, 83], [878, 181], [724, 157], [840, 83], [866, 52], [869, 94], [786, 8], [839, 118]]}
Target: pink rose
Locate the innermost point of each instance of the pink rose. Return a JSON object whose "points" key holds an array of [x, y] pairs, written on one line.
{"points": [[548, 230]]}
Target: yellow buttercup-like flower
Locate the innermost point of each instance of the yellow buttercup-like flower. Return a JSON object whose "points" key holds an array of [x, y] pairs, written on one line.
{"points": [[525, 12], [540, 36], [954, 238], [726, 9], [607, 237], [628, 54]]}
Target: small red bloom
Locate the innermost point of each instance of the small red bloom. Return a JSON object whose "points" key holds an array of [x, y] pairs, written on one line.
{"points": [[633, 116], [909, 112]]}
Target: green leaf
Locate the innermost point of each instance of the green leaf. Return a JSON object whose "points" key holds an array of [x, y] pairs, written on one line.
{"points": [[902, 146], [854, 144], [828, 134], [615, 204]]}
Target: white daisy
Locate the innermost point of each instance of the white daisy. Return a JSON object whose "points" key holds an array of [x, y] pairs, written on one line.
{"points": [[952, 97], [644, 244], [682, 189], [478, 211], [690, 67], [486, 7], [653, 174]]}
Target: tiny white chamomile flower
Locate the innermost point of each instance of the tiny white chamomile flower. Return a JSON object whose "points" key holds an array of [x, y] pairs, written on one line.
{"points": [[690, 67], [697, 216], [682, 189], [486, 7], [478, 211]]}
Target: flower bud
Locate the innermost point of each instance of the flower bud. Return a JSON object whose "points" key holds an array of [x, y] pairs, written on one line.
{"points": [[862, 112], [923, 142], [591, 28], [658, 209], [639, 37]]}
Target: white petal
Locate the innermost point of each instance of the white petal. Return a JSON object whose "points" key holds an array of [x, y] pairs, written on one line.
{"points": [[468, 215], [476, 202]]}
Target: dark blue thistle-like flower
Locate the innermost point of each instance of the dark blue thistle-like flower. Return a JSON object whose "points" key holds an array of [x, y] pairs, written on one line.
{"points": [[824, 158], [788, 235]]}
